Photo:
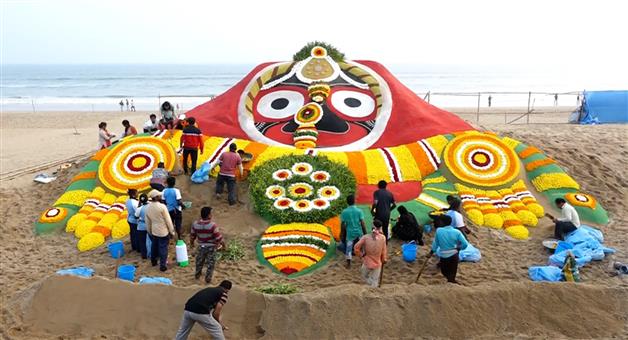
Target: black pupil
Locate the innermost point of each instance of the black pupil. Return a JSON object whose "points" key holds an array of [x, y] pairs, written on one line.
{"points": [[279, 103], [352, 102]]}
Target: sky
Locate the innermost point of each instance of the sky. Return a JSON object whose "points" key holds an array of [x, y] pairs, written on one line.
{"points": [[516, 32]]}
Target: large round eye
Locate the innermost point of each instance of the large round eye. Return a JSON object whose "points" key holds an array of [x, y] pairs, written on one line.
{"points": [[280, 104], [353, 103]]}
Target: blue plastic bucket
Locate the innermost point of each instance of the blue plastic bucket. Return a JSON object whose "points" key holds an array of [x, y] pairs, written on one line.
{"points": [[126, 272], [408, 251], [116, 249]]}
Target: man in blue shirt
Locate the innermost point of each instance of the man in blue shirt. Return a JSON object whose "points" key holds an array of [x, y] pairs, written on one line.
{"points": [[352, 227], [172, 198], [448, 241]]}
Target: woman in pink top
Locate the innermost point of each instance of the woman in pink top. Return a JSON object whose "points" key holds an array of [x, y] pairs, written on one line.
{"points": [[372, 249], [104, 137]]}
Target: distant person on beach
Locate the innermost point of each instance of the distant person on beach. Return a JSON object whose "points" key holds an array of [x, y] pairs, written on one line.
{"points": [[191, 142], [407, 227], [490, 100], [104, 137], [352, 227], [160, 229], [205, 307], [121, 105], [177, 107], [448, 241], [209, 241], [172, 198], [151, 125], [127, 104], [131, 207], [129, 130], [140, 215], [167, 115], [228, 162], [132, 106], [556, 99], [372, 249], [383, 203], [159, 177], [569, 220]]}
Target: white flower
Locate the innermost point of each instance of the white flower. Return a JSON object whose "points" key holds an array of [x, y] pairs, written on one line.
{"points": [[320, 204], [275, 191], [302, 168], [301, 189], [329, 192], [320, 176], [282, 175], [302, 205], [283, 203]]}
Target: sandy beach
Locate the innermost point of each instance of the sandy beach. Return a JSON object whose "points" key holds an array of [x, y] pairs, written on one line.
{"points": [[496, 299]]}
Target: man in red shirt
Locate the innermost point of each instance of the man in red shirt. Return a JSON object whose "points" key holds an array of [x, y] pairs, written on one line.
{"points": [[191, 142], [228, 162]]}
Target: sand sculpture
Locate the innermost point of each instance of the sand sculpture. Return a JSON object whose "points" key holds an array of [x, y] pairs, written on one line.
{"points": [[319, 128]]}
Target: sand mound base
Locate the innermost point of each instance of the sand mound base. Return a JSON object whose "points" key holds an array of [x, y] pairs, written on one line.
{"points": [[84, 308]]}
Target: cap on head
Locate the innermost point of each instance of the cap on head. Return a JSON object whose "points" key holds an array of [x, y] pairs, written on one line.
{"points": [[154, 193]]}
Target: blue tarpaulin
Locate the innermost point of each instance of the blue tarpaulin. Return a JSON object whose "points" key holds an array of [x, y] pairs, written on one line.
{"points": [[604, 107]]}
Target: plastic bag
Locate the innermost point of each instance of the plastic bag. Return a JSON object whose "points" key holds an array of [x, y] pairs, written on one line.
{"points": [[77, 271], [470, 254], [596, 233], [201, 175], [578, 236], [558, 259], [545, 273], [145, 280]]}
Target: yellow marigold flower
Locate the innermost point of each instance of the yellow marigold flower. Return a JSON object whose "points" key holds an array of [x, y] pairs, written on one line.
{"points": [[73, 197], [74, 222], [519, 232], [550, 181], [475, 215], [512, 143], [84, 228], [536, 209], [108, 199], [120, 229], [90, 241], [493, 221], [527, 218]]}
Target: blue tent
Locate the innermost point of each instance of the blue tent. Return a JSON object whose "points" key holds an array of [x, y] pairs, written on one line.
{"points": [[603, 107]]}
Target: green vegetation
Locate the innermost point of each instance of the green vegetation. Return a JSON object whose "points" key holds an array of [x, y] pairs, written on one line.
{"points": [[333, 52], [278, 288], [235, 251]]}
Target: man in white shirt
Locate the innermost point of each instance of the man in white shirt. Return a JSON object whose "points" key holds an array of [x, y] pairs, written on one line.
{"points": [[567, 222], [457, 221], [152, 124]]}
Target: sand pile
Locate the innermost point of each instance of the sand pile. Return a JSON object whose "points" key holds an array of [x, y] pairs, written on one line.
{"points": [[496, 292]]}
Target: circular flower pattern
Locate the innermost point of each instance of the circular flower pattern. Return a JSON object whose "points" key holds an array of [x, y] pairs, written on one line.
{"points": [[275, 191], [283, 203], [299, 190], [329, 192], [129, 164], [302, 205], [320, 204], [481, 159], [309, 114], [282, 175], [302, 168], [582, 200], [53, 215], [320, 176]]}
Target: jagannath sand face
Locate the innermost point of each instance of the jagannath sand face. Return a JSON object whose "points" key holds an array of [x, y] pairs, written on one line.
{"points": [[316, 102]]}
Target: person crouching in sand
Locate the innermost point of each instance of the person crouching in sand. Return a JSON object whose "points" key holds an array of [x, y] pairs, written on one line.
{"points": [[205, 307], [448, 241], [160, 229], [209, 240], [372, 249]]}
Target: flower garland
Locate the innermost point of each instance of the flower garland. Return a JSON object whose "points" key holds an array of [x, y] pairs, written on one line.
{"points": [[300, 188], [295, 248], [581, 199], [481, 159], [53, 215], [519, 208]]}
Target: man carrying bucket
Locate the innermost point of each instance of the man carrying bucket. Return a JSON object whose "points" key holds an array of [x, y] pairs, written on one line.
{"points": [[209, 240]]}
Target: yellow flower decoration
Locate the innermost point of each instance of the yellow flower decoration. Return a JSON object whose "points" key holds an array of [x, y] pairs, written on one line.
{"points": [[545, 182], [90, 241], [302, 205], [275, 191], [300, 189], [329, 192], [84, 228], [120, 229], [74, 197], [302, 169], [582, 200], [74, 222]]}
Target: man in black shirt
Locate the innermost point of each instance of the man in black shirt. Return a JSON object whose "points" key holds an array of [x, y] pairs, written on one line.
{"points": [[383, 203], [205, 308]]}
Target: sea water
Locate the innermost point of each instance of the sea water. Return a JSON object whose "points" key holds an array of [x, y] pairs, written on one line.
{"points": [[102, 87]]}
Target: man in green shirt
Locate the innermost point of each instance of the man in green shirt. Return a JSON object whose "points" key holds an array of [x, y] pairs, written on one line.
{"points": [[352, 227]]}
